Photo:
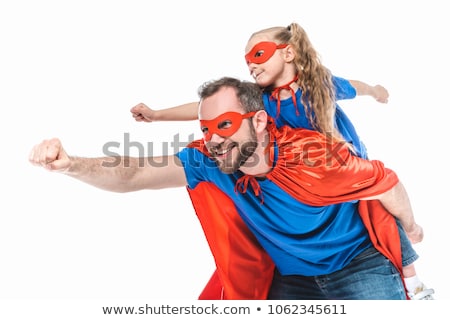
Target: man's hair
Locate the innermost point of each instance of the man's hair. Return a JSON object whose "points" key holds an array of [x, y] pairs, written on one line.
{"points": [[249, 94]]}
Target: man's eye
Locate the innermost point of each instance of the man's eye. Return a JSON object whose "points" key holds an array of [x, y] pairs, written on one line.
{"points": [[204, 129], [259, 53], [224, 124]]}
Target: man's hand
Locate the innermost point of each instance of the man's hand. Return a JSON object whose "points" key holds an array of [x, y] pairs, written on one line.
{"points": [[50, 155]]}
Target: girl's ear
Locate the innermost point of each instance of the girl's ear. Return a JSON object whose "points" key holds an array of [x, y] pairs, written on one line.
{"points": [[260, 121], [289, 53]]}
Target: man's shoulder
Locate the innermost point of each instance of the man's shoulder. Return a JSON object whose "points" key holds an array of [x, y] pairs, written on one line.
{"points": [[299, 136], [199, 145]]}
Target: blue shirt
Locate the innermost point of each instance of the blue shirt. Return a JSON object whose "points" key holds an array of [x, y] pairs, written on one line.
{"points": [[301, 239]]}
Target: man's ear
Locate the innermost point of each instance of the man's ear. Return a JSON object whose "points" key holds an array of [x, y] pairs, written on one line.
{"points": [[260, 121], [289, 53]]}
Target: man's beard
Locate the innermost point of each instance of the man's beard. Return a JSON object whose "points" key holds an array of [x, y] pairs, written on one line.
{"points": [[246, 150]]}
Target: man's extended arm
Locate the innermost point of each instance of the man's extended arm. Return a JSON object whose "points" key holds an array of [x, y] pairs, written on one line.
{"points": [[118, 174]]}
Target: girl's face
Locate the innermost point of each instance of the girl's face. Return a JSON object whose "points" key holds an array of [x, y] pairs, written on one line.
{"points": [[266, 61]]}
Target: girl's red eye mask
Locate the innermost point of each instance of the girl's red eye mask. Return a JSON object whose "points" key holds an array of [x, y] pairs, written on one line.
{"points": [[263, 51], [224, 125]]}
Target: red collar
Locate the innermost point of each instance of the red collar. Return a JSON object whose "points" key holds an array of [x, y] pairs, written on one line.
{"points": [[276, 95]]}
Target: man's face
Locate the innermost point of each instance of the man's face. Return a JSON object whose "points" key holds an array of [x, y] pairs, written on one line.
{"points": [[229, 133]]}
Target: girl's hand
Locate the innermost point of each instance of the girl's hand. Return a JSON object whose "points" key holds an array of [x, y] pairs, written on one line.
{"points": [[143, 113], [415, 235], [380, 94]]}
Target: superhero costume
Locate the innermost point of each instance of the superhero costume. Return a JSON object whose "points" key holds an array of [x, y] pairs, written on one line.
{"points": [[244, 268]]}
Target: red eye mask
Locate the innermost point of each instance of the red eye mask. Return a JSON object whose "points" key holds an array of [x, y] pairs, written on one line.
{"points": [[263, 51], [224, 125]]}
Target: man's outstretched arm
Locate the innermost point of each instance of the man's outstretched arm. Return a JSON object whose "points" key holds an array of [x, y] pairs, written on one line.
{"points": [[117, 174]]}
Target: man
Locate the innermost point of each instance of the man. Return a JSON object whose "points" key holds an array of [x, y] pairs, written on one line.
{"points": [[273, 203]]}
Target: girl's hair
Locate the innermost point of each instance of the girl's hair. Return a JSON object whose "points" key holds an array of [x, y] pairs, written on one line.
{"points": [[314, 79]]}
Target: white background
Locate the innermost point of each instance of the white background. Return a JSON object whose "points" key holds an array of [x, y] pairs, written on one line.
{"points": [[73, 69]]}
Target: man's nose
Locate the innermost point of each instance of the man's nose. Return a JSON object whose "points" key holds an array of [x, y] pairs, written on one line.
{"points": [[216, 139]]}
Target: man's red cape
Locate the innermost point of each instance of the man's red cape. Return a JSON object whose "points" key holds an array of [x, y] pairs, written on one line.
{"points": [[327, 174]]}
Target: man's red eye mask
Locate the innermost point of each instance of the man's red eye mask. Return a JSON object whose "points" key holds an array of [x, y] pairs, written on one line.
{"points": [[224, 125]]}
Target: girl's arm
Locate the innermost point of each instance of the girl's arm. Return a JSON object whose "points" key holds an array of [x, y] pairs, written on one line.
{"points": [[378, 92], [183, 112]]}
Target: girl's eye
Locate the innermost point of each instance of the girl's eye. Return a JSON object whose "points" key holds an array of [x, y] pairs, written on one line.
{"points": [[259, 53], [224, 124]]}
